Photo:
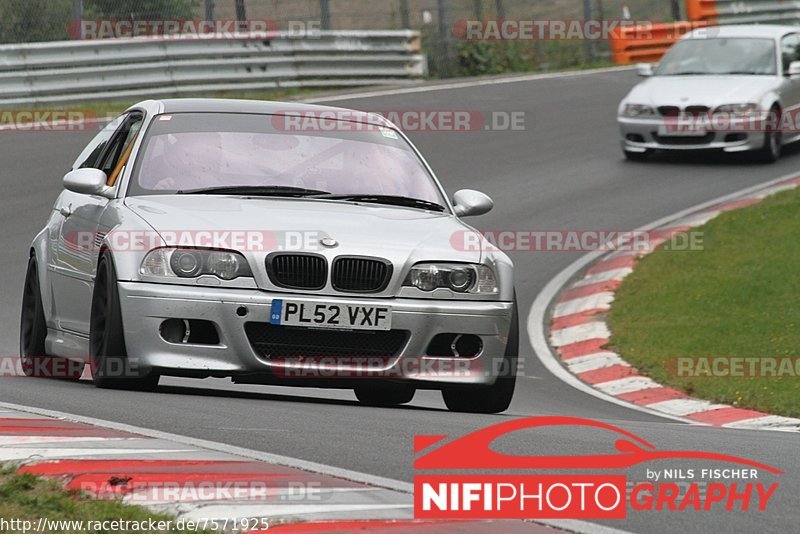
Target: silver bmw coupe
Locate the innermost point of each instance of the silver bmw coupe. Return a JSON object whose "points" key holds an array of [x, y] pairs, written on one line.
{"points": [[725, 88], [272, 243]]}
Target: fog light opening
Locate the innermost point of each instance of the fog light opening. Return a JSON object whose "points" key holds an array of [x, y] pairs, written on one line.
{"points": [[242, 311], [175, 331], [189, 331], [466, 346]]}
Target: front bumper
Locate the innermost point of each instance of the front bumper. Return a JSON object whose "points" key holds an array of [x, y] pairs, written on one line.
{"points": [[641, 135], [145, 306]]}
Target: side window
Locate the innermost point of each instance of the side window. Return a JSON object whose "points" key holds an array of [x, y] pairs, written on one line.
{"points": [[91, 154], [119, 142], [790, 50]]}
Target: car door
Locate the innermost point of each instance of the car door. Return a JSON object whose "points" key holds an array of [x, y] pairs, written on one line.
{"points": [[76, 250], [790, 51]]}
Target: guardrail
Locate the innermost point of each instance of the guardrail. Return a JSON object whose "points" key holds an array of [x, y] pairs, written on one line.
{"points": [[646, 44], [126, 69], [744, 11]]}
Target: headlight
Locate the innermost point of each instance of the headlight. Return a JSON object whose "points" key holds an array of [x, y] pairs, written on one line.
{"points": [[195, 262], [737, 108], [638, 110], [457, 277]]}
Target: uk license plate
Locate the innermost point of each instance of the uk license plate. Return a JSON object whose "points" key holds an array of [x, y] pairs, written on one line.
{"points": [[324, 315], [681, 130]]}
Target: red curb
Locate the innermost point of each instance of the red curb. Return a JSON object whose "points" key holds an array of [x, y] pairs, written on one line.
{"points": [[606, 374], [736, 204], [660, 393], [583, 348], [38, 423], [12, 426], [724, 415], [576, 319], [652, 395], [590, 289], [614, 263], [67, 432], [116, 467]]}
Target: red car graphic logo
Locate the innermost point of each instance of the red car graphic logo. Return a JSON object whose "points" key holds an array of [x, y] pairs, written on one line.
{"points": [[473, 450]]}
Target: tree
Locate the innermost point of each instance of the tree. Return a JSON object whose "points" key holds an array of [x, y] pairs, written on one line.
{"points": [[27, 21]]}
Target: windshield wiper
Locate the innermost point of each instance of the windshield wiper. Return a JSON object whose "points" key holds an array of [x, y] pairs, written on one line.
{"points": [[687, 73], [391, 200], [255, 190]]}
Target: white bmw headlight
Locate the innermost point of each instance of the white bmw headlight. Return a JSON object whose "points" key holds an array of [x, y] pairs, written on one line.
{"points": [[194, 262], [737, 108], [638, 110], [457, 277]]}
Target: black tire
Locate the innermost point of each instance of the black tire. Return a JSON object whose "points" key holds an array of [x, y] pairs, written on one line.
{"points": [[770, 152], [107, 348], [637, 156], [384, 394], [33, 333], [497, 397]]}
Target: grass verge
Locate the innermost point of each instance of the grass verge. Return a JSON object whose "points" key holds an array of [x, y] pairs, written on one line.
{"points": [[739, 297], [29, 498]]}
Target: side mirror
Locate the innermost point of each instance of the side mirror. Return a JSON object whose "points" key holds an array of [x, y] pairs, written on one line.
{"points": [[794, 69], [468, 202], [645, 70], [86, 182]]}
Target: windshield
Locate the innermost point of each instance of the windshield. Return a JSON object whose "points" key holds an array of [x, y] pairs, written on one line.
{"points": [[190, 152], [719, 56]]}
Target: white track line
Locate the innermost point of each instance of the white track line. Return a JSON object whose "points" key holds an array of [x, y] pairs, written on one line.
{"points": [[465, 84], [537, 316]]}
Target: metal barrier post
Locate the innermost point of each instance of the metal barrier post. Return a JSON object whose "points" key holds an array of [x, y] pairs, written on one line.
{"points": [[325, 10]]}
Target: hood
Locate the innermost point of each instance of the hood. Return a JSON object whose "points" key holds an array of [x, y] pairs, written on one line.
{"points": [[401, 235], [709, 91]]}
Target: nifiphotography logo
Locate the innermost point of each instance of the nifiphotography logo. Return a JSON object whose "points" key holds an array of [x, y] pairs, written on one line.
{"points": [[501, 492]]}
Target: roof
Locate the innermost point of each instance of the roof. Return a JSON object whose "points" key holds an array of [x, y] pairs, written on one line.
{"points": [[230, 105], [266, 107], [771, 31]]}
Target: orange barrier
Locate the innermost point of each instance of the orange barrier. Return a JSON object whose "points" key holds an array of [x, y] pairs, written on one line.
{"points": [[705, 10], [647, 43]]}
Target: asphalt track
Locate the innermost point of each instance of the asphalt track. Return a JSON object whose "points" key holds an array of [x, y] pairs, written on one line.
{"points": [[564, 171]]}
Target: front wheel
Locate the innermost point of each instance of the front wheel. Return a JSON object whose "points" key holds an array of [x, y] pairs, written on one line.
{"points": [[109, 355], [770, 151], [497, 397]]}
